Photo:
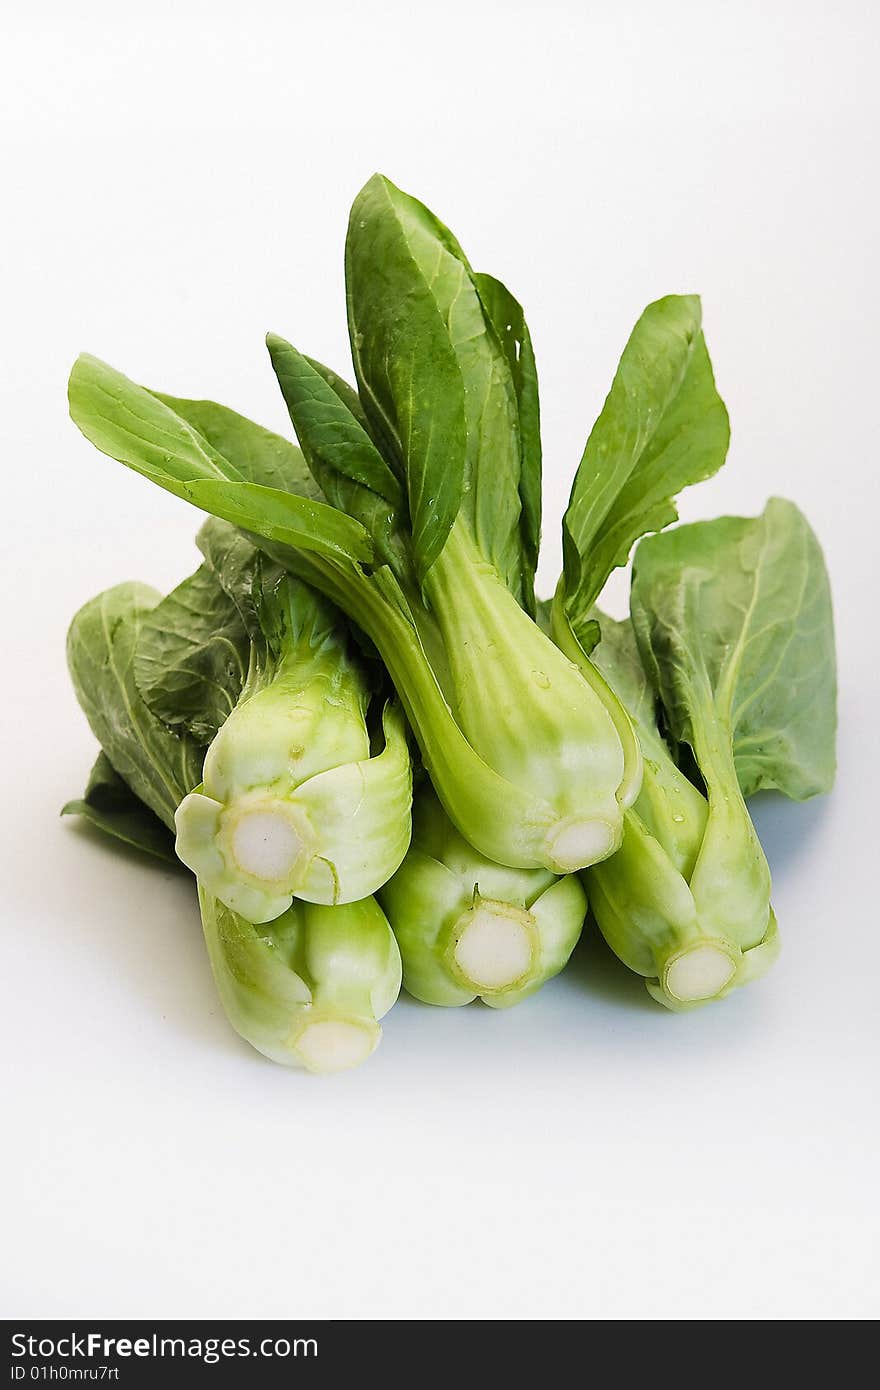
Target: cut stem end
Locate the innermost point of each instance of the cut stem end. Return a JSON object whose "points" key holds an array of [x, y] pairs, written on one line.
{"points": [[577, 844], [494, 946], [265, 843], [699, 973], [336, 1044]]}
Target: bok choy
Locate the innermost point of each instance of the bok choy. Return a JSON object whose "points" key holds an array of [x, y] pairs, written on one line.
{"points": [[420, 520], [469, 928], [310, 988], [734, 626], [291, 800], [370, 590]]}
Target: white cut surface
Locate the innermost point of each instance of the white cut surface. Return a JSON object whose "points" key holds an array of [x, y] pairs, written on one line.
{"points": [[581, 843], [335, 1044], [266, 845], [494, 950], [699, 974]]}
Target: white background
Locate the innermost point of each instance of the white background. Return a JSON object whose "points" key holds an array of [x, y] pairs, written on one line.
{"points": [[176, 180]]}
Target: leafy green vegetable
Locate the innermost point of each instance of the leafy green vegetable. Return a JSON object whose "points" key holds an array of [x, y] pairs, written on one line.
{"points": [[158, 765], [508, 322], [241, 571], [341, 455], [261, 456], [735, 630], [292, 800], [644, 898], [309, 989], [663, 426], [347, 394], [432, 577], [734, 624], [337, 441], [238, 709], [423, 311], [473, 571], [192, 656], [404, 358], [468, 928], [135, 426], [110, 805], [527, 709], [733, 621]]}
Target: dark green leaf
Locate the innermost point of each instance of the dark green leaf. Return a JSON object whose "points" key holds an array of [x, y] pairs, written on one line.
{"points": [[332, 438], [275, 607], [508, 320], [192, 656], [159, 766], [388, 529], [662, 428], [347, 394], [134, 426], [352, 474], [239, 567], [408, 374], [113, 808], [413, 300]]}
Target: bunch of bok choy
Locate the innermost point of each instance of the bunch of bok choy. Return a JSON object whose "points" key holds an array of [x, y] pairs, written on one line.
{"points": [[364, 611]]}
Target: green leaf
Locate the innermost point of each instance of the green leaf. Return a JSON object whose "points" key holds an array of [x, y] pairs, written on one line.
{"points": [[159, 766], [352, 474], [134, 426], [734, 624], [239, 568], [388, 528], [508, 321], [112, 807], [192, 656], [408, 374], [435, 347], [663, 427], [279, 516], [332, 438], [347, 394], [295, 618], [256, 453], [425, 350], [276, 610]]}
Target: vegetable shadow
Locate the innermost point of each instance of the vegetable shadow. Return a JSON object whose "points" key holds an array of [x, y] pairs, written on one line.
{"points": [[119, 851], [594, 969], [785, 828]]}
